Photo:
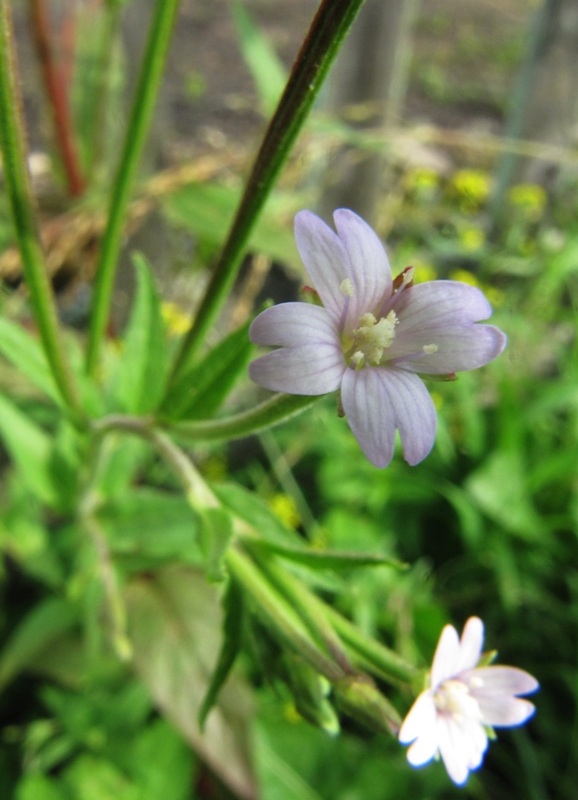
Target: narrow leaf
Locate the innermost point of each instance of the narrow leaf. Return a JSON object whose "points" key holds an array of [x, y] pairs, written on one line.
{"points": [[265, 66], [232, 629], [139, 381], [45, 623], [202, 390]]}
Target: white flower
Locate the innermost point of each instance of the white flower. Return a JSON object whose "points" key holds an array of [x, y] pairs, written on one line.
{"points": [[464, 703]]}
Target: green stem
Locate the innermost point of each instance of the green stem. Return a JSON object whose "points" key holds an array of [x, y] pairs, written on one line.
{"points": [[13, 141], [281, 616], [274, 411], [151, 72], [331, 23]]}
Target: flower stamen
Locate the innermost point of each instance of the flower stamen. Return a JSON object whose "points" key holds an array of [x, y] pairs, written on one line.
{"points": [[372, 337]]}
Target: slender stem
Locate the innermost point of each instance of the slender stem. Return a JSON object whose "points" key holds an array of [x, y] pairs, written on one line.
{"points": [[151, 71], [13, 141], [274, 411], [56, 90], [326, 34]]}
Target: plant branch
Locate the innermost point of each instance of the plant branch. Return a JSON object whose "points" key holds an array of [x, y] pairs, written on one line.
{"points": [[13, 141], [148, 83], [329, 27]]}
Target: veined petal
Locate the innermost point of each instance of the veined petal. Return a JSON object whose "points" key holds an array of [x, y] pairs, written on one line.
{"points": [[436, 304], [446, 656], [420, 718], [312, 369], [325, 260], [369, 268], [458, 348], [501, 711], [293, 324], [413, 410], [366, 403], [462, 746], [471, 644], [506, 680]]}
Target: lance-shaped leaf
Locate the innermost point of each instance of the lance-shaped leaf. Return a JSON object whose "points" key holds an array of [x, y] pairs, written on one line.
{"points": [[175, 627]]}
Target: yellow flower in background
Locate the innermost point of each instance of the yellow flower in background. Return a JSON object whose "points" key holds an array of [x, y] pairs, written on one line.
{"points": [[175, 319], [424, 271], [422, 178], [472, 238], [284, 507], [529, 197], [472, 186], [464, 276]]}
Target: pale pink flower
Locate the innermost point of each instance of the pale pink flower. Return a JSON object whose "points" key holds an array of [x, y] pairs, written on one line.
{"points": [[463, 703], [371, 337]]}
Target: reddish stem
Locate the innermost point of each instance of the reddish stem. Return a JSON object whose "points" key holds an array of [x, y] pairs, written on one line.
{"points": [[56, 90]]}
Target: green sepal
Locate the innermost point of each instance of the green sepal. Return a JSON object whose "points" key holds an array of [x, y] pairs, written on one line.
{"points": [[233, 606], [199, 393], [360, 699], [310, 691]]}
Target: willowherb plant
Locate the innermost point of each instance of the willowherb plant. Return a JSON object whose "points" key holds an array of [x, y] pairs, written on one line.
{"points": [[370, 337]]}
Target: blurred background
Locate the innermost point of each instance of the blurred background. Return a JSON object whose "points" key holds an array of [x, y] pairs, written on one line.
{"points": [[452, 127]]}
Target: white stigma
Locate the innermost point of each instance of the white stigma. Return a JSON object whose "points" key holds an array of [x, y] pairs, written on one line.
{"points": [[346, 287], [430, 349], [372, 337]]}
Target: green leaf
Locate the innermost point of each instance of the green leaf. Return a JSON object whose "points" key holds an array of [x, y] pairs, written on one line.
{"points": [[265, 66], [31, 450], [257, 513], [175, 627], [207, 210], [200, 391], [151, 524], [232, 630], [38, 787], [139, 380], [162, 763], [329, 559], [27, 355], [44, 624]]}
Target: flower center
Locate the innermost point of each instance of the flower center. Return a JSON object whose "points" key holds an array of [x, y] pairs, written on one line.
{"points": [[371, 338], [454, 699]]}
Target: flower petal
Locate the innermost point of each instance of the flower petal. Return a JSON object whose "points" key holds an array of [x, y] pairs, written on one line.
{"points": [[369, 268], [376, 401], [325, 260], [508, 680], [312, 369], [292, 324], [462, 746], [501, 711], [446, 657], [420, 717], [458, 349], [437, 304], [471, 644]]}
